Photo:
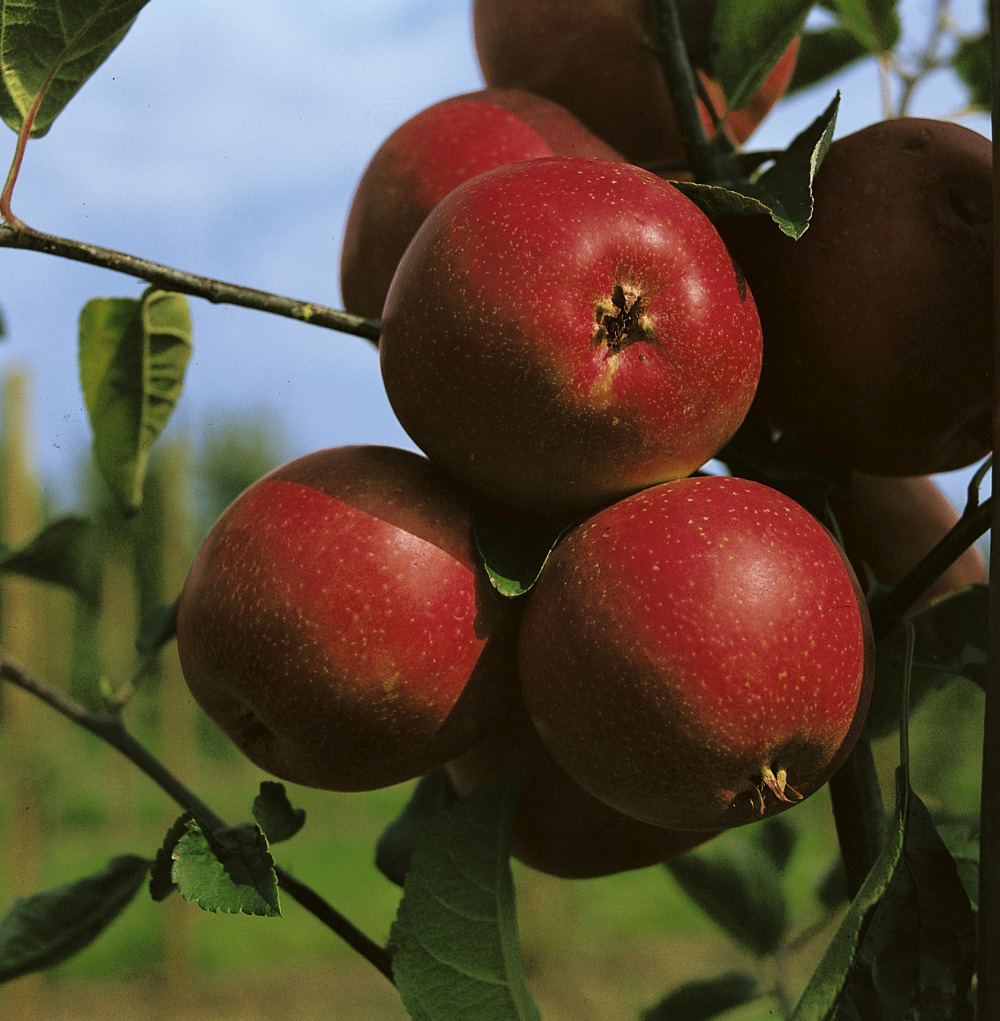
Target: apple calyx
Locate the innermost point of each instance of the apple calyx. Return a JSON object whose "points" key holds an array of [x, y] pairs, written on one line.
{"points": [[777, 783], [623, 324]]}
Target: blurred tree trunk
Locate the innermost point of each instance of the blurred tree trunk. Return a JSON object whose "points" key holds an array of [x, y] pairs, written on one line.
{"points": [[28, 634], [177, 713]]}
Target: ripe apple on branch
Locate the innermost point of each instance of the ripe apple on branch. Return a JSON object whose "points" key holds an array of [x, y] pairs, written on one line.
{"points": [[591, 303]]}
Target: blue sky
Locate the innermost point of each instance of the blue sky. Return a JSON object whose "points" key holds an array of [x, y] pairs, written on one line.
{"points": [[227, 139]]}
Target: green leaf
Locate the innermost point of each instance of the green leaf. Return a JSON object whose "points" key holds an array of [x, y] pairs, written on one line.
{"points": [[133, 354], [787, 186], [513, 551], [829, 979], [823, 53], [758, 453], [49, 48], [737, 892], [161, 882], [961, 837], [951, 638], [777, 838], [705, 999], [47, 928], [229, 871], [972, 64], [394, 850], [158, 628], [455, 943], [61, 554], [274, 813], [921, 944], [785, 189], [874, 23], [749, 36]]}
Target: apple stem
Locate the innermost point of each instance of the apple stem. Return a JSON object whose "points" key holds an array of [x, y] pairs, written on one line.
{"points": [[683, 88], [858, 813]]}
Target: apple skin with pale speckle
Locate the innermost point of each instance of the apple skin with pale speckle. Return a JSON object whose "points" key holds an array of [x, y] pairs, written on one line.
{"points": [[559, 828], [337, 624], [698, 655], [427, 157], [565, 331]]}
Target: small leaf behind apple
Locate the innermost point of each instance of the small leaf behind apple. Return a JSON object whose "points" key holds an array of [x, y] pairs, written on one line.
{"points": [[394, 850], [513, 551], [275, 814]]}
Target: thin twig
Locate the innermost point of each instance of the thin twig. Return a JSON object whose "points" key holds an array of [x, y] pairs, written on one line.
{"points": [[20, 236], [889, 611], [110, 729]]}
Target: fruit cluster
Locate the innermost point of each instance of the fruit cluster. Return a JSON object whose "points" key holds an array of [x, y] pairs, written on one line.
{"points": [[569, 339]]}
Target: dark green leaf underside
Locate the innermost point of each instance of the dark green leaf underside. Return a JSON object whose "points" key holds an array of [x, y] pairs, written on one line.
{"points": [[47, 928]]}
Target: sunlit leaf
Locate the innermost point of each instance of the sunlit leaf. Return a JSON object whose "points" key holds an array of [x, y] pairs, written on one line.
{"points": [[455, 943], [133, 355], [749, 36], [830, 978], [49, 48], [47, 928]]}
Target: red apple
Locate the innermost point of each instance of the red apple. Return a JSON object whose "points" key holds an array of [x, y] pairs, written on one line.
{"points": [[337, 623], [698, 655], [598, 58], [564, 331], [559, 828], [879, 321], [428, 156], [889, 524]]}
